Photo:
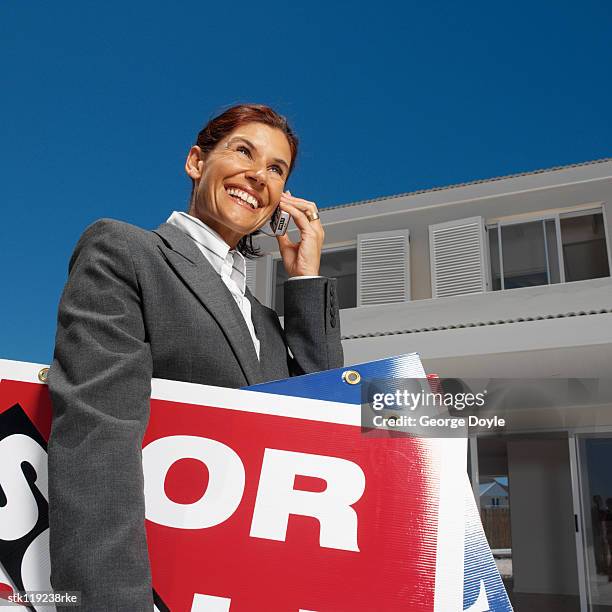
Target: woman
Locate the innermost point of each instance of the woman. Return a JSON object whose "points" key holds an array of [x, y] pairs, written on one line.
{"points": [[172, 304]]}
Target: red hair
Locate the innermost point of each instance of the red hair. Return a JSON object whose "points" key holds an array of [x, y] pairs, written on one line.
{"points": [[225, 123]]}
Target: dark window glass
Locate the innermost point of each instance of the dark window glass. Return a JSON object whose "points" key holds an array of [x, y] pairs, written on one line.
{"points": [[341, 264], [584, 247], [524, 255]]}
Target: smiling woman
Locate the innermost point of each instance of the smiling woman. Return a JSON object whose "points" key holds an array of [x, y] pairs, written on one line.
{"points": [[239, 183], [172, 303]]}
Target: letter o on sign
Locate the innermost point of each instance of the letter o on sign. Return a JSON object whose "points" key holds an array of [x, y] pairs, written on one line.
{"points": [[226, 479]]}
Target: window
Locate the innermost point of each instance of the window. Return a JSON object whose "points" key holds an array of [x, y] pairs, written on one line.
{"points": [[335, 263], [553, 249]]}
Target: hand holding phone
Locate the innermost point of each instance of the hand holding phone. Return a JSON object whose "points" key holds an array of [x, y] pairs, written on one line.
{"points": [[301, 258], [279, 222]]}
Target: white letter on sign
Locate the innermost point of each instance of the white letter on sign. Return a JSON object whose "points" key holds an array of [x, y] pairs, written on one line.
{"points": [[20, 513], [225, 482], [210, 603], [277, 499]]}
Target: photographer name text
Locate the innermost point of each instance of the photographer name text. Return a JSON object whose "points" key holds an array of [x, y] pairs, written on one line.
{"points": [[438, 422]]}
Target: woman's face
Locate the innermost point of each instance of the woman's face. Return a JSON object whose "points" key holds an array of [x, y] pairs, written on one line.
{"points": [[240, 182]]}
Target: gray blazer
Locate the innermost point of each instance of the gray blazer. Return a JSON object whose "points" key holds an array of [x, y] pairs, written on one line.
{"points": [[138, 305]]}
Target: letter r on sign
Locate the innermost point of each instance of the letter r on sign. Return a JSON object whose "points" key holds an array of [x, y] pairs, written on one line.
{"points": [[277, 499]]}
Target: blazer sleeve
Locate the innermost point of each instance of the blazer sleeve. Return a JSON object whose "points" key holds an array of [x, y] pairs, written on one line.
{"points": [[312, 325], [100, 386]]}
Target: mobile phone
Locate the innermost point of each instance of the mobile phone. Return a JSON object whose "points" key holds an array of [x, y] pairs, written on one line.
{"points": [[279, 222]]}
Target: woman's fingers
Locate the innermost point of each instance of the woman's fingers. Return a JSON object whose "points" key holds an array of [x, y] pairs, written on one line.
{"points": [[285, 242], [299, 213], [289, 251], [307, 207], [298, 216]]}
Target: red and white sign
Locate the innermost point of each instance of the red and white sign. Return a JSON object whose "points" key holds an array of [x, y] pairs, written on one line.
{"points": [[259, 502]]}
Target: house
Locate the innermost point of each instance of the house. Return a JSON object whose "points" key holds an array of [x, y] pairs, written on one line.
{"points": [[493, 494], [501, 278]]}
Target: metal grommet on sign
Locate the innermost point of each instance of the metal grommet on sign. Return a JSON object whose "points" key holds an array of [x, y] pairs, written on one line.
{"points": [[352, 377], [42, 375]]}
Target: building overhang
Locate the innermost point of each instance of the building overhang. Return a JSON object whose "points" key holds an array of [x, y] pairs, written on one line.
{"points": [[553, 330]]}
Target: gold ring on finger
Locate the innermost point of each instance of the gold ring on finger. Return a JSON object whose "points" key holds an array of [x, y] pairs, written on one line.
{"points": [[312, 216]]}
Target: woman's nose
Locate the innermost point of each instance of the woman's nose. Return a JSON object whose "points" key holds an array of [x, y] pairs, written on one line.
{"points": [[257, 175]]}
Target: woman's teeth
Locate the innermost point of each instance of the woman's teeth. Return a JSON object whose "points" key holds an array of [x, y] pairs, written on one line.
{"points": [[245, 197]]}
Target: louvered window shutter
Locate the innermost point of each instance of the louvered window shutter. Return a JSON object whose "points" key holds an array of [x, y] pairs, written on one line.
{"points": [[383, 267], [251, 266], [458, 256]]}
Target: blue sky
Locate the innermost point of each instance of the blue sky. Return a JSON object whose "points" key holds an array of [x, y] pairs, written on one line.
{"points": [[101, 101]]}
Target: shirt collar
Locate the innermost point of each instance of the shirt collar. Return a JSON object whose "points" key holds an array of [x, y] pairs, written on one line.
{"points": [[225, 261]]}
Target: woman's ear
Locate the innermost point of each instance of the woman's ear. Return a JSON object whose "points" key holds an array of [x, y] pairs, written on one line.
{"points": [[194, 165]]}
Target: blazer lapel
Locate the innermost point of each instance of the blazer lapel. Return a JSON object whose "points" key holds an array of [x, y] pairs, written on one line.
{"points": [[273, 362], [196, 272], [260, 330]]}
